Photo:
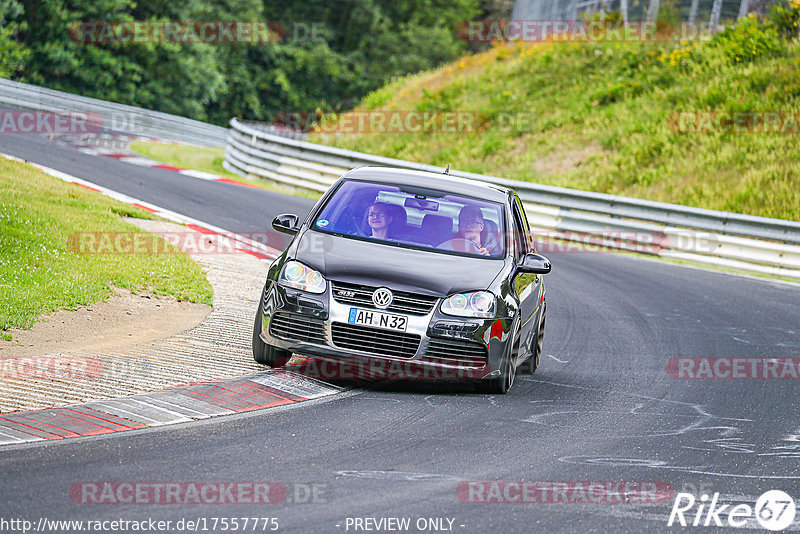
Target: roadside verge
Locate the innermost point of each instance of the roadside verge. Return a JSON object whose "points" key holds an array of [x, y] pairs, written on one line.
{"points": [[218, 349]]}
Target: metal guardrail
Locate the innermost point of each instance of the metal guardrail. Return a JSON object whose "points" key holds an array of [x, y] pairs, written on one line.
{"points": [[733, 240], [697, 13], [113, 116], [277, 129]]}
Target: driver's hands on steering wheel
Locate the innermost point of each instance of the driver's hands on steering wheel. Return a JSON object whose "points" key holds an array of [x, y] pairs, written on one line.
{"points": [[479, 249], [459, 243]]}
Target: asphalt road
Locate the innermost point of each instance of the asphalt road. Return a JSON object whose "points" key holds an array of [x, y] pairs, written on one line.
{"points": [[234, 208], [602, 406]]}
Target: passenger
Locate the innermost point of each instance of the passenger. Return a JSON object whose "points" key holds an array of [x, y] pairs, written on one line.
{"points": [[470, 226], [378, 219]]}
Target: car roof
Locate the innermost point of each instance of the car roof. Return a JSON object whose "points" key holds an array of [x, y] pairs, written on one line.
{"points": [[442, 182]]}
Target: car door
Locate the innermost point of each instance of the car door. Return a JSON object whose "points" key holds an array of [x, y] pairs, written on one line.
{"points": [[526, 285]]}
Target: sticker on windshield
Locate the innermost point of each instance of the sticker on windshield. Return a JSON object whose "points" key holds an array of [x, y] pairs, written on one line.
{"points": [[322, 223]]}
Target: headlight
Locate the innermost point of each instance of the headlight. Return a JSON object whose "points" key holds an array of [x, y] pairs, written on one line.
{"points": [[475, 304], [297, 275]]}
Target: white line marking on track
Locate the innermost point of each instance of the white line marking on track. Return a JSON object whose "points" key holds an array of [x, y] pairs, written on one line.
{"points": [[393, 475]]}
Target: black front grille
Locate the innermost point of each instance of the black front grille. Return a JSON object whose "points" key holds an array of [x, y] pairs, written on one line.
{"points": [[458, 353], [403, 301], [374, 340], [293, 327]]}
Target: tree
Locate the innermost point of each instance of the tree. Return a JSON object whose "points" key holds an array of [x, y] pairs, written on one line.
{"points": [[13, 54], [331, 53]]}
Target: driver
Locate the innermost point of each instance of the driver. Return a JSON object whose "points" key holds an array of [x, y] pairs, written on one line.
{"points": [[378, 219], [470, 226]]}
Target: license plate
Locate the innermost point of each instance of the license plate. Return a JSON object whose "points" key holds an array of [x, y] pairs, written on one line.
{"points": [[389, 321]]}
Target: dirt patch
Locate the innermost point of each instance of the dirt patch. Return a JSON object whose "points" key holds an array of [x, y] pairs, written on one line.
{"points": [[126, 319], [564, 161]]}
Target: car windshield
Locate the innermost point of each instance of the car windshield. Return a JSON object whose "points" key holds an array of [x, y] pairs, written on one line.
{"points": [[414, 217]]}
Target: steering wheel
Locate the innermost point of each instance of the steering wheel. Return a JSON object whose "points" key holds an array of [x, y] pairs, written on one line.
{"points": [[460, 244], [348, 223]]}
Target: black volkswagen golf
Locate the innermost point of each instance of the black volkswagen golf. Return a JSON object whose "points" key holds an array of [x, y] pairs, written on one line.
{"points": [[420, 274]]}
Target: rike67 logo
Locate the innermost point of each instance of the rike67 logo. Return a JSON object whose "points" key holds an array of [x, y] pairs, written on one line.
{"points": [[774, 510]]}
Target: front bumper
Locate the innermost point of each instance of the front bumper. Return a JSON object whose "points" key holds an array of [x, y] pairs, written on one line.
{"points": [[434, 346]]}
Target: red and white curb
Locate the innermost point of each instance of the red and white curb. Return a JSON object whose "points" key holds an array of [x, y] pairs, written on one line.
{"points": [[147, 162], [243, 244], [178, 405]]}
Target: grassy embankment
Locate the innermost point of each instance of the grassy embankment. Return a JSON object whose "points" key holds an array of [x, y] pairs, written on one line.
{"points": [[39, 273], [600, 117]]}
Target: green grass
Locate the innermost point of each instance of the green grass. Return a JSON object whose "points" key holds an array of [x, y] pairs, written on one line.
{"points": [[597, 117], [207, 159], [40, 274]]}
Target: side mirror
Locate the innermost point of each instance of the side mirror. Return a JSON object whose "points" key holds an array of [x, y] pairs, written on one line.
{"points": [[286, 223], [534, 263]]}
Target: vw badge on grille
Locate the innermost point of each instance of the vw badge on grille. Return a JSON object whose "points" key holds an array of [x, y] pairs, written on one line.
{"points": [[382, 298]]}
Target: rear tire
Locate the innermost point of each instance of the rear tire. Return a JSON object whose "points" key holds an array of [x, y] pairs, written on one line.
{"points": [[263, 353]]}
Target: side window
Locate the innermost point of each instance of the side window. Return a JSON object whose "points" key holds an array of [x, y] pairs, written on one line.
{"points": [[525, 237], [520, 235]]}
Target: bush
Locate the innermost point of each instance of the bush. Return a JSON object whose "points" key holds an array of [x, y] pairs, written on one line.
{"points": [[786, 17], [748, 40], [612, 18]]}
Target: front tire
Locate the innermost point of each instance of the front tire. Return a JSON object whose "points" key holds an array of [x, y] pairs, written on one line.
{"points": [[531, 364], [263, 353], [501, 384]]}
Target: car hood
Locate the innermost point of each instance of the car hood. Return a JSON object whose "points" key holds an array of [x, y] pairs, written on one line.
{"points": [[361, 262]]}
